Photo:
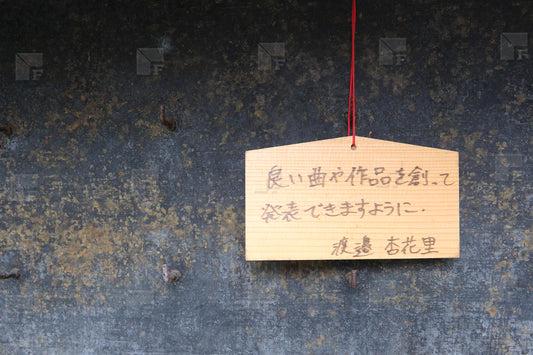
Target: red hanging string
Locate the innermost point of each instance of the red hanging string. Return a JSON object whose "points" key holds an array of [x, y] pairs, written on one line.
{"points": [[352, 103]]}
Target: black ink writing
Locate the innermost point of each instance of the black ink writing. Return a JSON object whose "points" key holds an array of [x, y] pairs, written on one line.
{"points": [[358, 176], [363, 246], [361, 208]]}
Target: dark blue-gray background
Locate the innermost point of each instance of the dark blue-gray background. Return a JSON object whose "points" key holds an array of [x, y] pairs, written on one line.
{"points": [[96, 194]]}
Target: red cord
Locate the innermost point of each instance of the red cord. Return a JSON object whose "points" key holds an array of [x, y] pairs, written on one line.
{"points": [[352, 102]]}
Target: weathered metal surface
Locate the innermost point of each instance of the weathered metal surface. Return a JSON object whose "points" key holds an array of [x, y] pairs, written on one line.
{"points": [[96, 194]]}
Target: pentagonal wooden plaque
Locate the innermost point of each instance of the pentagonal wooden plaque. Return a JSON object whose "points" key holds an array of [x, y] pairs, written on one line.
{"points": [[323, 200]]}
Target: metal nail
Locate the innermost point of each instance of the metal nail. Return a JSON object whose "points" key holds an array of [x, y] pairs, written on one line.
{"points": [[170, 124], [170, 275], [7, 130], [353, 278], [14, 274]]}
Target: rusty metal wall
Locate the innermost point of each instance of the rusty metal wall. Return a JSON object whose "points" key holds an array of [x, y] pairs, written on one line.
{"points": [[96, 194]]}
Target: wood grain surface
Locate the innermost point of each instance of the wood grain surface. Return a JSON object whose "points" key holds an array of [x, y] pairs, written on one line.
{"points": [[323, 200]]}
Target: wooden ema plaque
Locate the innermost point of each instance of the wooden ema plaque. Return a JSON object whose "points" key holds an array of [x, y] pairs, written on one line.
{"points": [[323, 200]]}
